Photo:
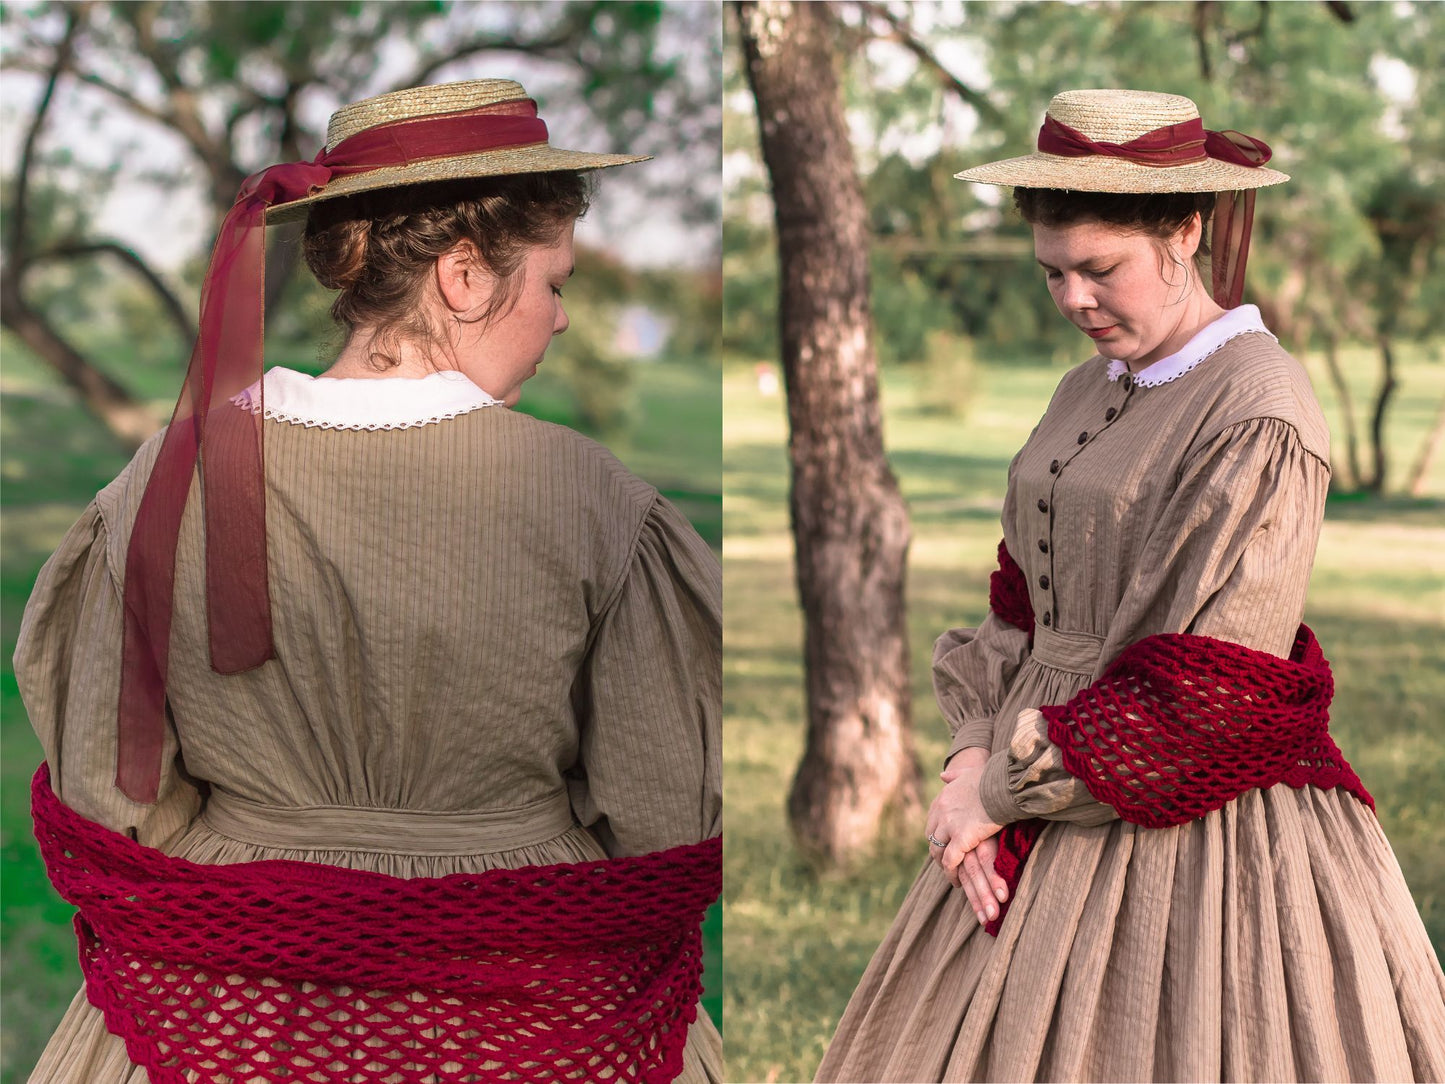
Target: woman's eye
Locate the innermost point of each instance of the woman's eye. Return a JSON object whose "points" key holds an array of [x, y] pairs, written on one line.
{"points": [[1103, 273], [556, 291], [1053, 276]]}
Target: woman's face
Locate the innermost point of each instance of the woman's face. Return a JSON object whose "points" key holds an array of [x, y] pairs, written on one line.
{"points": [[1121, 290], [499, 354]]}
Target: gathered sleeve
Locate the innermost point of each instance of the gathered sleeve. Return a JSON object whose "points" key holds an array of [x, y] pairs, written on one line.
{"points": [[650, 697], [972, 672], [67, 666], [1230, 558]]}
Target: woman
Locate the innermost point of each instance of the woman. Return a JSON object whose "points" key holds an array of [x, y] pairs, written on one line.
{"points": [[435, 642], [1159, 908]]}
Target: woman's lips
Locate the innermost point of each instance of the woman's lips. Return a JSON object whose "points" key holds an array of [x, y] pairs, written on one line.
{"points": [[1098, 332]]}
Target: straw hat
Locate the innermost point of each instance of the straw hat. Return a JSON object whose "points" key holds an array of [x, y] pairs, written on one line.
{"points": [[1118, 117], [418, 102]]}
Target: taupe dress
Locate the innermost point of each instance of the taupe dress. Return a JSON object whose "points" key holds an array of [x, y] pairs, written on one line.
{"points": [[1273, 940], [495, 648]]}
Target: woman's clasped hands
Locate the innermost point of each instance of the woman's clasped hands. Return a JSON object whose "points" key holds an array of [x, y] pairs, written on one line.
{"points": [[962, 839]]}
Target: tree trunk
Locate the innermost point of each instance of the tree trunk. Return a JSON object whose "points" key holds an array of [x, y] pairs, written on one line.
{"points": [[1347, 406], [1388, 384], [128, 419], [850, 525], [1433, 442]]}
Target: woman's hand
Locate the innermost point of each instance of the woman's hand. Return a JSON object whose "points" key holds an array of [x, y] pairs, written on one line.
{"points": [[958, 821]]}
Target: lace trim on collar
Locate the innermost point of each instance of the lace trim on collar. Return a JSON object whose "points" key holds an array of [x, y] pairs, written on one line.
{"points": [[357, 403], [1241, 321]]}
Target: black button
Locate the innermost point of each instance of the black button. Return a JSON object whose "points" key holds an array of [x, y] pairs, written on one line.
{"points": [[1046, 620], [1083, 438], [1044, 582], [1043, 505], [1054, 467], [1043, 546], [1111, 414], [1128, 382]]}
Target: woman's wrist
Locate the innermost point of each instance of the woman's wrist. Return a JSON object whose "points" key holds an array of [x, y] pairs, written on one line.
{"points": [[972, 757]]}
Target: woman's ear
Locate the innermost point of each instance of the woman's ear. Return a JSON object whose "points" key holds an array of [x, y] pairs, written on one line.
{"points": [[1187, 239], [462, 278]]}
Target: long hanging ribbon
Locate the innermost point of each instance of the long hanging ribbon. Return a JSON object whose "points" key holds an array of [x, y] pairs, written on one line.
{"points": [[1182, 144], [226, 359]]}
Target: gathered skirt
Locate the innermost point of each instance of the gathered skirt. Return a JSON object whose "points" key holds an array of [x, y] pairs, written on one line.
{"points": [[1274, 939]]}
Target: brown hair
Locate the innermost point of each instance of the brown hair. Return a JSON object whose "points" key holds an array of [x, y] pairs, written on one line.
{"points": [[377, 248], [1160, 215]]}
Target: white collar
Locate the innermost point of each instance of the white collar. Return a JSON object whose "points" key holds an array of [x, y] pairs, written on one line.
{"points": [[391, 402], [1206, 341]]}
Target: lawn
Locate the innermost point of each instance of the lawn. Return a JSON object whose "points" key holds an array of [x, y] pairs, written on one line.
{"points": [[55, 458], [796, 940]]}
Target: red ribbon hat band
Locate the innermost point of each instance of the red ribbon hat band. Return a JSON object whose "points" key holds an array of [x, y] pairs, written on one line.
{"points": [[1171, 145], [1181, 144], [205, 426]]}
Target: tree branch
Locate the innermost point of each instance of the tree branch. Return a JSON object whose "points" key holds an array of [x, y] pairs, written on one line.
{"points": [[125, 97], [555, 46], [1201, 36], [184, 113], [15, 242], [178, 312], [902, 33]]}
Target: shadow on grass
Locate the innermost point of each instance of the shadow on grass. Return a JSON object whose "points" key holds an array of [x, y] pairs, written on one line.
{"points": [[1398, 510]]}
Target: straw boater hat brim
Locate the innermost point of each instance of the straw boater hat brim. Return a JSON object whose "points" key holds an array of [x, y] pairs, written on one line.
{"points": [[1118, 116], [430, 101]]}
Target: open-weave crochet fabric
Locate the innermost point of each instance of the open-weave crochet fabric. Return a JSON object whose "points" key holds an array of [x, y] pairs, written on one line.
{"points": [[300, 972], [1008, 593], [1180, 725]]}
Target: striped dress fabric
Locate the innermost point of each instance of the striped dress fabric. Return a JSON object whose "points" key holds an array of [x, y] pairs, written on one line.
{"points": [[1274, 939], [496, 648]]}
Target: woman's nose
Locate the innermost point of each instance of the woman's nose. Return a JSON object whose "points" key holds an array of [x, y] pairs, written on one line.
{"points": [[561, 323], [1078, 292]]}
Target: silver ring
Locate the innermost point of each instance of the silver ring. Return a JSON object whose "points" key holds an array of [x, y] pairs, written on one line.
{"points": [[936, 842]]}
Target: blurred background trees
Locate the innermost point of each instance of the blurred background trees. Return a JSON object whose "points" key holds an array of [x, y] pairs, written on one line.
{"points": [[1345, 256], [135, 123]]}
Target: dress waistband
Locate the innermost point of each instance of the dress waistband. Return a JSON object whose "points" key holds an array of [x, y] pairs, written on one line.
{"points": [[1076, 652], [387, 831]]}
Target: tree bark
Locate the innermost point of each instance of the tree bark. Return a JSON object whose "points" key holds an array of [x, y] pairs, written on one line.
{"points": [[129, 420], [1347, 406], [1388, 384], [850, 524]]}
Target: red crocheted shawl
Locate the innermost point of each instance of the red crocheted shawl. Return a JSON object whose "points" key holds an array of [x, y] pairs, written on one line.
{"points": [[299, 972], [1179, 725]]}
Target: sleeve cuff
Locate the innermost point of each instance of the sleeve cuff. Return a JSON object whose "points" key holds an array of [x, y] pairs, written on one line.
{"points": [[974, 734], [993, 791]]}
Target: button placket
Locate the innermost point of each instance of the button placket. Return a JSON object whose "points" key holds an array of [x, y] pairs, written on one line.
{"points": [[1046, 505]]}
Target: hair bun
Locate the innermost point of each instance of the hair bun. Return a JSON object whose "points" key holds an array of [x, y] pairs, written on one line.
{"points": [[337, 253]]}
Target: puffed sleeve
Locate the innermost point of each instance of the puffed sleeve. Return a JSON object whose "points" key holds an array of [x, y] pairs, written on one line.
{"points": [[67, 665], [1230, 559], [972, 672], [650, 697]]}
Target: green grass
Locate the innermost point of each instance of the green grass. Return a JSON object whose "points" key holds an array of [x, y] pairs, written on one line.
{"points": [[797, 941], [55, 457]]}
